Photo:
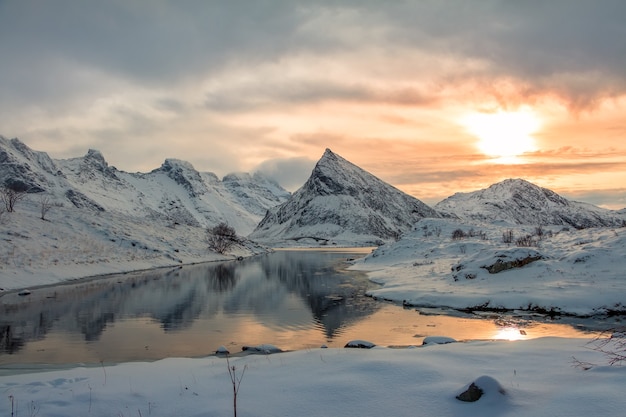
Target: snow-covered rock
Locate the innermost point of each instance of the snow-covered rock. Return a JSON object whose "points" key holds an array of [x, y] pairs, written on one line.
{"points": [[520, 202], [486, 386], [265, 349], [360, 344], [438, 340], [341, 202]]}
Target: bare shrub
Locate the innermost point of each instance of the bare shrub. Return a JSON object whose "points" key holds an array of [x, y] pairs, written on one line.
{"points": [[613, 347], [477, 233], [458, 234], [507, 237], [612, 344], [222, 237], [526, 241], [45, 204], [235, 381], [11, 196]]}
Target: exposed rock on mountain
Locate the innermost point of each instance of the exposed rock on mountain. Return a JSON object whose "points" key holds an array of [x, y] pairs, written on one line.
{"points": [[342, 202], [24, 169], [174, 193], [183, 174], [520, 202]]}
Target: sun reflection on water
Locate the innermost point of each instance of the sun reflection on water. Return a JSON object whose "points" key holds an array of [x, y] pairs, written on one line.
{"points": [[510, 333]]}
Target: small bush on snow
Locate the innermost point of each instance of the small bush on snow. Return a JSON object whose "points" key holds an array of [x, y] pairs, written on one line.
{"points": [[220, 238]]}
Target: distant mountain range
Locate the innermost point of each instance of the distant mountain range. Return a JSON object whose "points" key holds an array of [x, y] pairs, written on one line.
{"points": [[174, 192], [340, 203]]}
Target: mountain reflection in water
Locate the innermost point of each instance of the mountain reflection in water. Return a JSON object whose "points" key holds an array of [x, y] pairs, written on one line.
{"points": [[197, 308], [291, 299]]}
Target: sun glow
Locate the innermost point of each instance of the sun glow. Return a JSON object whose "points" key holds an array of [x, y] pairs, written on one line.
{"points": [[510, 333], [503, 134]]}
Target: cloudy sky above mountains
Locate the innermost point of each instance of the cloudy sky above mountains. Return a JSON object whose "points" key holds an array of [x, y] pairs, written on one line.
{"points": [[433, 96]]}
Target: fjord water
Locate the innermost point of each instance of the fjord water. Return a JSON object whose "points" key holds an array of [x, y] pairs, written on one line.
{"points": [[295, 299]]}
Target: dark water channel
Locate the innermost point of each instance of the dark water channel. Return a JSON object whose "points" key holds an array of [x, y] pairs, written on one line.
{"points": [[291, 299]]}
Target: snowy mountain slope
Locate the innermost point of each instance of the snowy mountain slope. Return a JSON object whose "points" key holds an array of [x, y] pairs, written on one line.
{"points": [[73, 243], [174, 192], [563, 270], [342, 203], [256, 192], [517, 201]]}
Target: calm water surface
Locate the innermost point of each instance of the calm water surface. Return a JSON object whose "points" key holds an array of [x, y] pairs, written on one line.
{"points": [[291, 299]]}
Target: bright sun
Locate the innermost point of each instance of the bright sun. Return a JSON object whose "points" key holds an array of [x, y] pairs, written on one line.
{"points": [[503, 134]]}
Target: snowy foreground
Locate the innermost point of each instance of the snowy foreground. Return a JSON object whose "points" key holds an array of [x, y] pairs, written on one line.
{"points": [[540, 377]]}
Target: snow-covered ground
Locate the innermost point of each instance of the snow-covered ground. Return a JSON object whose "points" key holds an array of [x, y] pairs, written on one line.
{"points": [[579, 271], [568, 271], [540, 377], [73, 243]]}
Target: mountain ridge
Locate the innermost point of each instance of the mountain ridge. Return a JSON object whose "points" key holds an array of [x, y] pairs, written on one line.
{"points": [[175, 192], [340, 201], [518, 201]]}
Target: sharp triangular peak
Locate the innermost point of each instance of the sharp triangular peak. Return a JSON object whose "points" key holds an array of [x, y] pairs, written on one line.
{"points": [[330, 156], [341, 201]]}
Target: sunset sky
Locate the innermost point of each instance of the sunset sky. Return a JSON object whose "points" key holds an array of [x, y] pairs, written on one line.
{"points": [[433, 97]]}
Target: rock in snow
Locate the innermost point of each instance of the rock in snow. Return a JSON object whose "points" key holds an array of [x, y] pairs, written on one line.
{"points": [[484, 385], [360, 344], [438, 340]]}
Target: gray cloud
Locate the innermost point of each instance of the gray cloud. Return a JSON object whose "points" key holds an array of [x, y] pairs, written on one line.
{"points": [[291, 173], [615, 198], [572, 46], [266, 94], [126, 75]]}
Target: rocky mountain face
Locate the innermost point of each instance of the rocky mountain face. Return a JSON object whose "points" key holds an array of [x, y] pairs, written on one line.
{"points": [[341, 201], [24, 169], [174, 193], [517, 201]]}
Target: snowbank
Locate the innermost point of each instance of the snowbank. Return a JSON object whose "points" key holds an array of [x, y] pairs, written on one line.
{"points": [[563, 271], [526, 378]]}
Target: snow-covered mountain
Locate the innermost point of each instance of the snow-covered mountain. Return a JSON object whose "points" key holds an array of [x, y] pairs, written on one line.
{"points": [[517, 201], [341, 202], [174, 193]]}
